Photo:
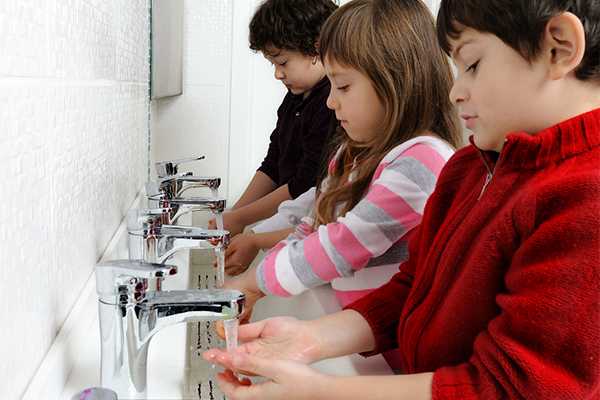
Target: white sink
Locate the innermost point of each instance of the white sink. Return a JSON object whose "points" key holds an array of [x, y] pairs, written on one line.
{"points": [[174, 367]]}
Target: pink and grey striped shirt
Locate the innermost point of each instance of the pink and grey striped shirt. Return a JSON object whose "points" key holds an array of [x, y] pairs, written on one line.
{"points": [[363, 249]]}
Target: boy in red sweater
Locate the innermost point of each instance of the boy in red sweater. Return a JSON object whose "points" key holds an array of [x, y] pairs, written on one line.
{"points": [[500, 295]]}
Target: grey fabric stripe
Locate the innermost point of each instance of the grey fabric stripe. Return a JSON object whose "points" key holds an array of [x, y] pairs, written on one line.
{"points": [[369, 212], [300, 266], [260, 279], [396, 254], [341, 265], [416, 172]]}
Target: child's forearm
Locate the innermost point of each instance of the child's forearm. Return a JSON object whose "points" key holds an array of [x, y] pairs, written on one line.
{"points": [[260, 185], [263, 207], [396, 387], [342, 333], [267, 240]]}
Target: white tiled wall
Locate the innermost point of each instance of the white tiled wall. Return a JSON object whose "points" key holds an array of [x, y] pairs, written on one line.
{"points": [[73, 155]]}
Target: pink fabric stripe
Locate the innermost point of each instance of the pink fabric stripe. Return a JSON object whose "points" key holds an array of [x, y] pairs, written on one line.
{"points": [[427, 155], [379, 170], [318, 259], [271, 281], [394, 205], [348, 246], [345, 297]]}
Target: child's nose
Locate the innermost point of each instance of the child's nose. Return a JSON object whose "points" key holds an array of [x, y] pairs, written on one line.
{"points": [[279, 75], [331, 103], [458, 93]]}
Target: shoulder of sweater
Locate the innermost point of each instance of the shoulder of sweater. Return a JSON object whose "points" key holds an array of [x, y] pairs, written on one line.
{"points": [[465, 167], [433, 143]]}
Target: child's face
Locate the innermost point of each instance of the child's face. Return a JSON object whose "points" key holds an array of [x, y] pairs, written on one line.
{"points": [[298, 72], [496, 90], [354, 101]]}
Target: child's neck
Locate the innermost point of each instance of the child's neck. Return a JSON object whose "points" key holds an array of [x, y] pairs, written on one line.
{"points": [[581, 97], [569, 101]]}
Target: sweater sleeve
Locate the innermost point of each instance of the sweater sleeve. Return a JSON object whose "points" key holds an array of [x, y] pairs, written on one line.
{"points": [[289, 213], [270, 165], [392, 206], [545, 341]]}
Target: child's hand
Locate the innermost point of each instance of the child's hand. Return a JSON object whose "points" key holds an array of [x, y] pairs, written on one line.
{"points": [[231, 222], [245, 283], [286, 380], [239, 255], [272, 339]]}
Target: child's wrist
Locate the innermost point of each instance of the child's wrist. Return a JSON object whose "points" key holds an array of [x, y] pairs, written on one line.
{"points": [[252, 238], [318, 352], [323, 386], [262, 241]]}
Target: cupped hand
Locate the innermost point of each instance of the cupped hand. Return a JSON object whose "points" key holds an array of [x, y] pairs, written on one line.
{"points": [[279, 338], [286, 380]]}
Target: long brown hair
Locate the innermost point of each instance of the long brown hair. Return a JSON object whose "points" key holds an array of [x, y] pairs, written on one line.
{"points": [[394, 44]]}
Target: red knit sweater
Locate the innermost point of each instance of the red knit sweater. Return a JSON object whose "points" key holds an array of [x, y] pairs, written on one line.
{"points": [[501, 293]]}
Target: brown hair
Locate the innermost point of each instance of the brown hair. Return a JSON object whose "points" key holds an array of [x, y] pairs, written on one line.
{"points": [[394, 44]]}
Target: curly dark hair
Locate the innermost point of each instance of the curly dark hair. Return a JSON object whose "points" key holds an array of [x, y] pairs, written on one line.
{"points": [[521, 24], [289, 24]]}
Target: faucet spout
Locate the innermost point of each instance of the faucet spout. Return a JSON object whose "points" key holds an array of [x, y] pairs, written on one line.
{"points": [[161, 242], [130, 316]]}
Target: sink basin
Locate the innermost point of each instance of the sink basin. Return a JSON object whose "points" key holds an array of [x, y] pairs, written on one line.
{"points": [[175, 368]]}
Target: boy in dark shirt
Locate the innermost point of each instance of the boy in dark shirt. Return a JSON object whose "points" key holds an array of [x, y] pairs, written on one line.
{"points": [[286, 33]]}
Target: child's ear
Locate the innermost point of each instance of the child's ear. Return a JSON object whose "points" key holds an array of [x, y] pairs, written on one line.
{"points": [[563, 44]]}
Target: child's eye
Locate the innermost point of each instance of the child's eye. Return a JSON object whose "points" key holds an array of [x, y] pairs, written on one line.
{"points": [[473, 67], [343, 88], [283, 63]]}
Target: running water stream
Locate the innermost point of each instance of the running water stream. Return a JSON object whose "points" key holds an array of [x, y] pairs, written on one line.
{"points": [[220, 278]]}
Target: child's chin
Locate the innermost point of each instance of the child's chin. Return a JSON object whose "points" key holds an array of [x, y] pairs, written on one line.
{"points": [[485, 144]]}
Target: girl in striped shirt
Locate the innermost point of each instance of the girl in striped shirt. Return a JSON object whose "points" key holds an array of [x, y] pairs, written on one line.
{"points": [[397, 127]]}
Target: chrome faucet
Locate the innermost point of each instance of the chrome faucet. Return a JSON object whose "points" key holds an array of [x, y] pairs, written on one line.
{"points": [[179, 206], [170, 167], [132, 309], [174, 186], [172, 183], [156, 243]]}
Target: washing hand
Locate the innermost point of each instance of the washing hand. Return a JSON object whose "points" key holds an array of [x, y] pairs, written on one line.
{"points": [[240, 253], [280, 338], [245, 283], [286, 380], [231, 222]]}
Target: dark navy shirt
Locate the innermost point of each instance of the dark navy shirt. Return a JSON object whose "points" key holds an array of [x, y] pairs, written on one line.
{"points": [[299, 140]]}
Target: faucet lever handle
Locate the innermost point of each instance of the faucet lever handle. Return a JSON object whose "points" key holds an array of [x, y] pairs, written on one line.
{"points": [[169, 167], [111, 274]]}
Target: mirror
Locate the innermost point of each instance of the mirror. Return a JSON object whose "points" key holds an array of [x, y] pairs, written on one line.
{"points": [[166, 48]]}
